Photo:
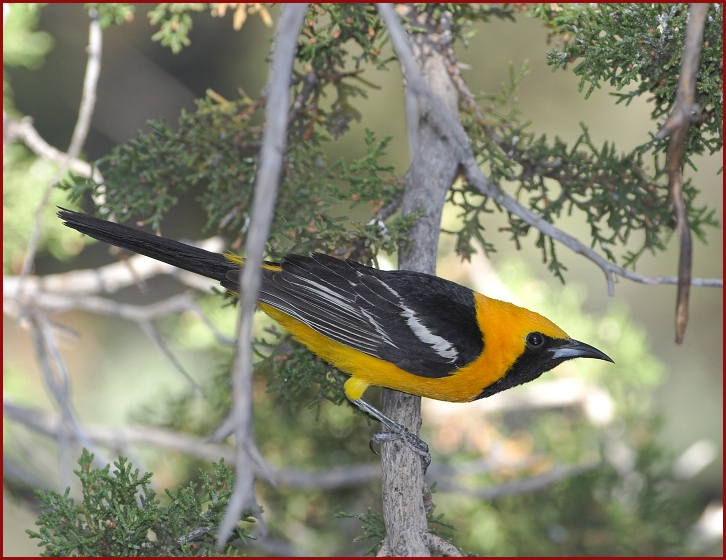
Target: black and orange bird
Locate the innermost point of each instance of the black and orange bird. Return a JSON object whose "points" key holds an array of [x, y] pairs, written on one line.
{"points": [[403, 330]]}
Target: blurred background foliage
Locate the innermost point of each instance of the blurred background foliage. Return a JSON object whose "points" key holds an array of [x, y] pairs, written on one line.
{"points": [[644, 436]]}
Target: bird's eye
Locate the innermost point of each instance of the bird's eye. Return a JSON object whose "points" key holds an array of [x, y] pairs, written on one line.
{"points": [[535, 340]]}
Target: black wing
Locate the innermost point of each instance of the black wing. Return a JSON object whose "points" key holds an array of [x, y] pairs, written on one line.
{"points": [[423, 324]]}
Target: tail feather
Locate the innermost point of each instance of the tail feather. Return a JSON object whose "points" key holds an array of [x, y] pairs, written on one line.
{"points": [[193, 259]]}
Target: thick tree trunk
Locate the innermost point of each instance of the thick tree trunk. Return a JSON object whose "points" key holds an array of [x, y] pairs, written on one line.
{"points": [[431, 174]]}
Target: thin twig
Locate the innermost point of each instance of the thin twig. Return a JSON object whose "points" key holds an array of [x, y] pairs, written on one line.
{"points": [[80, 132], [524, 486], [357, 250], [63, 388], [121, 437], [685, 111], [90, 82], [310, 83], [195, 534], [155, 336], [59, 386], [101, 306], [476, 178], [275, 547], [263, 205], [59, 396]]}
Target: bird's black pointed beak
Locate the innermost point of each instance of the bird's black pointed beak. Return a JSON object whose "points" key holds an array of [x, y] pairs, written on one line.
{"points": [[576, 349]]}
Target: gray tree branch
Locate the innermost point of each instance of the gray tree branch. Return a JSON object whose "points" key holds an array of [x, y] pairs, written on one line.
{"points": [[427, 181], [106, 279], [24, 131], [122, 438], [263, 206], [57, 380], [83, 124]]}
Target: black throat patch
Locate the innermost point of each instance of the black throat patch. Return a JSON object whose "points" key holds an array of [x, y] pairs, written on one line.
{"points": [[528, 367]]}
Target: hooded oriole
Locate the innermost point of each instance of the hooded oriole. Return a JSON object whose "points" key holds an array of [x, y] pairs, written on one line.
{"points": [[404, 330]]}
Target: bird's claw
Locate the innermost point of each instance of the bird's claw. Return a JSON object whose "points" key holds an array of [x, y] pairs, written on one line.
{"points": [[370, 445], [414, 442]]}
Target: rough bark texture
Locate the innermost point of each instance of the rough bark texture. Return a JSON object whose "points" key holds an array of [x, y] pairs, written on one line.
{"points": [[431, 174]]}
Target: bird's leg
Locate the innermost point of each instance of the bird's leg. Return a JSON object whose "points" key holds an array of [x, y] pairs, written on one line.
{"points": [[395, 431]]}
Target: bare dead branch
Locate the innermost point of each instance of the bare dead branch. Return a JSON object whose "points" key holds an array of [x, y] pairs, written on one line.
{"points": [[468, 97], [416, 83], [107, 279], [348, 476], [47, 302], [122, 437], [685, 111], [74, 290], [331, 479], [83, 124], [57, 381], [24, 131], [524, 486], [50, 301], [263, 205], [108, 307]]}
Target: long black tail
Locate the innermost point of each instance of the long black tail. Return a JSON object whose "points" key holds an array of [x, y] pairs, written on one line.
{"points": [[193, 259]]}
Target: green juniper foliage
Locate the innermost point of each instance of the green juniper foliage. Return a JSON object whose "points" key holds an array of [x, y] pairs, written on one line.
{"points": [[120, 515], [175, 22], [641, 45], [373, 528], [112, 14]]}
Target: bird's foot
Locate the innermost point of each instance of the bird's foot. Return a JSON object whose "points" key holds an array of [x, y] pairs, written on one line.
{"points": [[413, 442], [394, 430]]}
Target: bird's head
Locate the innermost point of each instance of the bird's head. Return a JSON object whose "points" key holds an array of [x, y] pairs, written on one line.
{"points": [[533, 343]]}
